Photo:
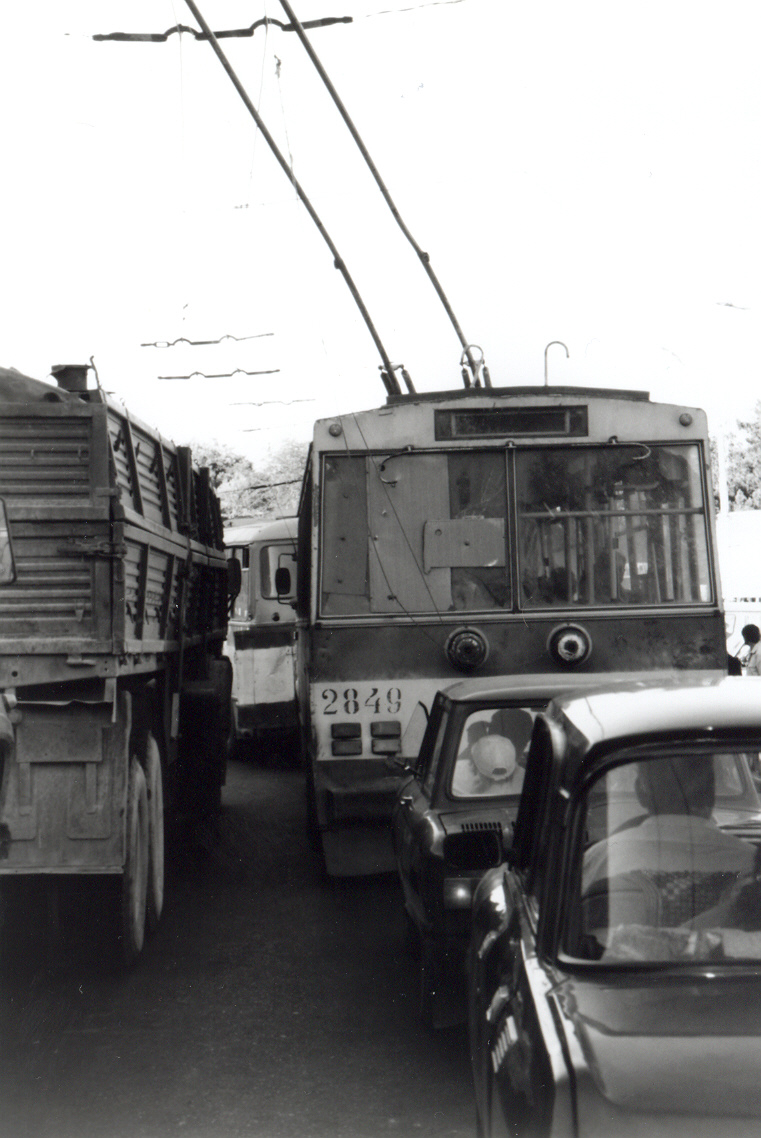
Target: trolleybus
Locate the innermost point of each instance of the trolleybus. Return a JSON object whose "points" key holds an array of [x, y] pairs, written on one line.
{"points": [[261, 630], [493, 532]]}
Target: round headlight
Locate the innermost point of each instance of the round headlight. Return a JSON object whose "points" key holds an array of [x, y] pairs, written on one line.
{"points": [[467, 649], [570, 644]]}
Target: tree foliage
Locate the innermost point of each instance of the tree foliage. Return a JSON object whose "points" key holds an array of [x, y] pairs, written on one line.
{"points": [[743, 464], [252, 489]]}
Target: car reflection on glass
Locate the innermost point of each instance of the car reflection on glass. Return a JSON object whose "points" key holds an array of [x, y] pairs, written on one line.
{"points": [[737, 797], [454, 816]]}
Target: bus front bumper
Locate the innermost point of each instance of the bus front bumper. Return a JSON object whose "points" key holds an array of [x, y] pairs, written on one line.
{"points": [[348, 793]]}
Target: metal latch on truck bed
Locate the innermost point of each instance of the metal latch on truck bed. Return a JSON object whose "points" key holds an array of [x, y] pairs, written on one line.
{"points": [[94, 547]]}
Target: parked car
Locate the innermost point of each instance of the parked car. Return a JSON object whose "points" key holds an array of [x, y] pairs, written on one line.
{"points": [[453, 819], [615, 958]]}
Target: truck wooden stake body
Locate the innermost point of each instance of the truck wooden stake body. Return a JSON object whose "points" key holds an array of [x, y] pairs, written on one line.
{"points": [[114, 693]]}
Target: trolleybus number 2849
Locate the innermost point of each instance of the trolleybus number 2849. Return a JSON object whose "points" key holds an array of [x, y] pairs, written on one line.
{"points": [[351, 701]]}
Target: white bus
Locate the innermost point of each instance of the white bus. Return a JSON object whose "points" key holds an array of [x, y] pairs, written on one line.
{"points": [[261, 631]]}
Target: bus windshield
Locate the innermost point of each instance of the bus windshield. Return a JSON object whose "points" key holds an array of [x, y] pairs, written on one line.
{"points": [[595, 526], [613, 525]]}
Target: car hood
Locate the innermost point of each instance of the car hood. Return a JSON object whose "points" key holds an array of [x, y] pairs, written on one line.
{"points": [[685, 1045]]}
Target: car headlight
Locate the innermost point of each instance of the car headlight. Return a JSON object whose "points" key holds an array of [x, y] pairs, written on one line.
{"points": [[458, 892]]}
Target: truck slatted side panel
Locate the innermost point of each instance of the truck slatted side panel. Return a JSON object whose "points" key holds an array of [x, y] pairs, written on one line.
{"points": [[44, 458], [104, 536], [200, 609], [54, 480], [124, 475], [53, 593], [213, 600], [151, 592], [170, 475], [145, 469]]}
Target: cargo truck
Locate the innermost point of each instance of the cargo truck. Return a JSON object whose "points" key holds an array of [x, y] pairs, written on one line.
{"points": [[114, 595]]}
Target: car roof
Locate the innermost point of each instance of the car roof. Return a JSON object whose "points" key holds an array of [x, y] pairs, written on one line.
{"points": [[266, 529], [550, 685], [685, 704]]}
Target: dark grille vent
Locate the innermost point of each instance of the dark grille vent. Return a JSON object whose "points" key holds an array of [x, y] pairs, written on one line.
{"points": [[479, 848], [480, 827]]}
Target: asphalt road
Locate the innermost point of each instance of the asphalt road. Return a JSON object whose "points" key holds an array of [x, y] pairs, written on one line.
{"points": [[268, 1004]]}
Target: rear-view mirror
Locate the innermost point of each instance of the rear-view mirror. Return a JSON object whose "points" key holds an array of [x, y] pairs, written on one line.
{"points": [[234, 577], [282, 581]]}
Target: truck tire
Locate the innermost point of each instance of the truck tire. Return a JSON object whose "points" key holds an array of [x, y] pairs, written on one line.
{"points": [[155, 786], [213, 755], [134, 888], [205, 719], [221, 675]]}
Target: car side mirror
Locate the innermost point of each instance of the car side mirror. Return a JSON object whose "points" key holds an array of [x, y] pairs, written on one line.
{"points": [[234, 577], [282, 581]]}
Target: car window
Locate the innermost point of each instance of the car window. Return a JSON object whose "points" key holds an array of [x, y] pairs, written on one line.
{"points": [[491, 753], [734, 792], [671, 867]]}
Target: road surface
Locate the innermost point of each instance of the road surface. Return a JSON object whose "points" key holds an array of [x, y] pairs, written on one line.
{"points": [[269, 1004]]}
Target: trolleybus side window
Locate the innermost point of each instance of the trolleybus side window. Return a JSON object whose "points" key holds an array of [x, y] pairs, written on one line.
{"points": [[623, 525]]}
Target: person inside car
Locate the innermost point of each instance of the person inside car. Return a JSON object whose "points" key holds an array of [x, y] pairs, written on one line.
{"points": [[673, 864], [488, 766], [678, 832]]}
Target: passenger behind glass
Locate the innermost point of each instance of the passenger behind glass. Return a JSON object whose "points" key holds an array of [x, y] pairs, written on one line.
{"points": [[492, 761], [678, 835], [489, 767]]}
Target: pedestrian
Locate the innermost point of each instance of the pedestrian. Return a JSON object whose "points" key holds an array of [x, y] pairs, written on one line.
{"points": [[752, 661]]}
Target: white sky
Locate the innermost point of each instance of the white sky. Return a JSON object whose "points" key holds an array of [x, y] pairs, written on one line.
{"points": [[578, 171]]}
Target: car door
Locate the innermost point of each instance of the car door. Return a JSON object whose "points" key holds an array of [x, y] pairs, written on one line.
{"points": [[409, 819]]}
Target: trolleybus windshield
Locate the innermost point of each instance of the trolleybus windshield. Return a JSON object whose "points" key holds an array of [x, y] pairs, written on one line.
{"points": [[523, 528]]}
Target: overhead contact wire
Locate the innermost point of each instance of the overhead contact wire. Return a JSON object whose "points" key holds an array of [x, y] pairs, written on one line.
{"points": [[388, 375], [424, 257]]}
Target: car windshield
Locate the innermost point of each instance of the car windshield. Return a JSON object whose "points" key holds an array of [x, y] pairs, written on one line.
{"points": [[491, 755], [672, 865]]}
